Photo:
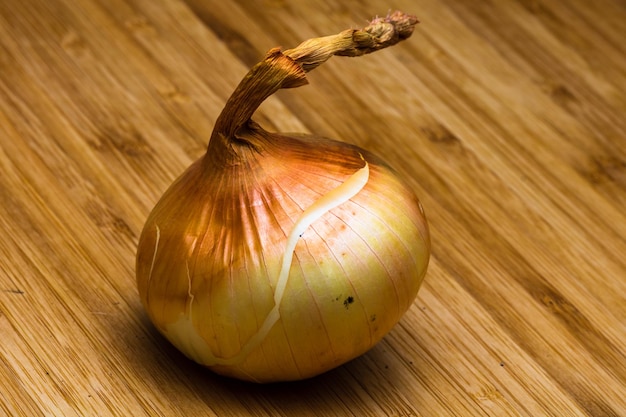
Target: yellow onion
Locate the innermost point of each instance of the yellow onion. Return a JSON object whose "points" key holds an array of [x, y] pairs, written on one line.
{"points": [[276, 256]]}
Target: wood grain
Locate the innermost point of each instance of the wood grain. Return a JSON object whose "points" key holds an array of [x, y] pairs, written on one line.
{"points": [[507, 119]]}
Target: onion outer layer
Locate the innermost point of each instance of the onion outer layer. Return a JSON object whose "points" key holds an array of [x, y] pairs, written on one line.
{"points": [[278, 257]]}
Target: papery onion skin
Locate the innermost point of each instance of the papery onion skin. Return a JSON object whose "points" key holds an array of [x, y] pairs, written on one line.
{"points": [[354, 274], [210, 254]]}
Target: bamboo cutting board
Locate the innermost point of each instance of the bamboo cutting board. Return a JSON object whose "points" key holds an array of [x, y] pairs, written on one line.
{"points": [[506, 118]]}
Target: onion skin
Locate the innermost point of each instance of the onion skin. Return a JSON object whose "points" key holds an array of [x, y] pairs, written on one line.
{"points": [[210, 254]]}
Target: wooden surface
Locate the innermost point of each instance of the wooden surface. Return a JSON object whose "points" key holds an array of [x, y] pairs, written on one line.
{"points": [[507, 118]]}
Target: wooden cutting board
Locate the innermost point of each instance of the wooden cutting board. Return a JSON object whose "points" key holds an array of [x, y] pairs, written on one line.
{"points": [[507, 119]]}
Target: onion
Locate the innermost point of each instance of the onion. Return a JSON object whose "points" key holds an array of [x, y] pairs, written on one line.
{"points": [[277, 257]]}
